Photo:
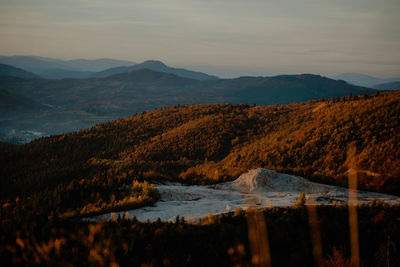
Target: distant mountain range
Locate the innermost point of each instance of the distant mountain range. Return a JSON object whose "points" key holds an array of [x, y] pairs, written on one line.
{"points": [[127, 87], [156, 66], [40, 65], [8, 70], [81, 103], [364, 80], [51, 68], [32, 106], [388, 86]]}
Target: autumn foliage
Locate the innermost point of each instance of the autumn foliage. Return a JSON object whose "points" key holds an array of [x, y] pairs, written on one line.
{"points": [[323, 140]]}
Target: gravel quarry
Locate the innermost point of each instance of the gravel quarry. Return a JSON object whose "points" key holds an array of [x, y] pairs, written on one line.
{"points": [[258, 188]]}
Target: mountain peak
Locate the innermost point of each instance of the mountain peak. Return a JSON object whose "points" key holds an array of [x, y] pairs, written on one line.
{"points": [[159, 66], [152, 62]]}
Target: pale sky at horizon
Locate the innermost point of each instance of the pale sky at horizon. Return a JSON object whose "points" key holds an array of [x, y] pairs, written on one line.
{"points": [[253, 37]]}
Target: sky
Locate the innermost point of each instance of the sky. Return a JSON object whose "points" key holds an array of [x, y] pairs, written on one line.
{"points": [[224, 37]]}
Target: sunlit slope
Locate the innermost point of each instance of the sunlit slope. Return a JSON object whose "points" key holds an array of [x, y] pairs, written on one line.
{"points": [[322, 140]]}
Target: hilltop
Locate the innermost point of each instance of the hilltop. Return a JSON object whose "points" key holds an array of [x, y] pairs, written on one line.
{"points": [[156, 65]]}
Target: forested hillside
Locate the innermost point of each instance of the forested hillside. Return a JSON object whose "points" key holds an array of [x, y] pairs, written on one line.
{"points": [[323, 140]]}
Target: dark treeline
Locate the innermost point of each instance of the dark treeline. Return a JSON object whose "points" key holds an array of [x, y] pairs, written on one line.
{"points": [[216, 241]]}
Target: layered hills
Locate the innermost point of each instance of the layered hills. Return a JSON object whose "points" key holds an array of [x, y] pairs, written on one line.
{"points": [[8, 70], [43, 65], [388, 86], [364, 80], [323, 140], [81, 103], [52, 68]]}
